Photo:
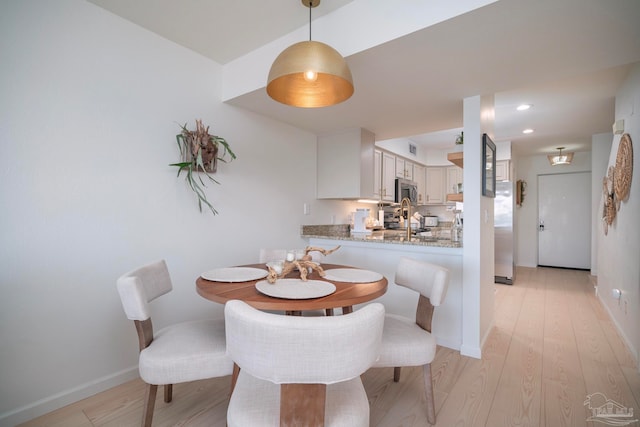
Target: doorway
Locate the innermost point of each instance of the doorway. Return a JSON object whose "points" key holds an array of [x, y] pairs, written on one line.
{"points": [[564, 220]]}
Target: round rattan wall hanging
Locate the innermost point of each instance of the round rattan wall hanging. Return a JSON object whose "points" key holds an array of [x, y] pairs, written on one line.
{"points": [[624, 170]]}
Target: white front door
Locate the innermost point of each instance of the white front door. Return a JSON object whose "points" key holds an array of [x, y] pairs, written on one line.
{"points": [[564, 220]]}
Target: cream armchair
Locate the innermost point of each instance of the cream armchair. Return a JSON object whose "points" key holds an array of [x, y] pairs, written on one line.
{"points": [[408, 342], [301, 371], [180, 353]]}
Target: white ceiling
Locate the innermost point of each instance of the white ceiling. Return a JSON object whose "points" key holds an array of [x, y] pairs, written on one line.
{"points": [[565, 57]]}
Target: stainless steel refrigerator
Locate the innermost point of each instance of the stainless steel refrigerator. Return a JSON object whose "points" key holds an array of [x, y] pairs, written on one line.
{"points": [[504, 240]]}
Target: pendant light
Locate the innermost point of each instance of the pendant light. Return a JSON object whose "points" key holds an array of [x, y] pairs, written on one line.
{"points": [[560, 159], [310, 74]]}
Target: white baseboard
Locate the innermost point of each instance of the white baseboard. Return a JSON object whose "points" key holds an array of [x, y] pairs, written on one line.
{"points": [[625, 339], [443, 342], [471, 351], [64, 398]]}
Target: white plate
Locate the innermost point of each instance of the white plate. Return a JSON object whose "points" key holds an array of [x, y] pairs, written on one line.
{"points": [[234, 274], [296, 288], [352, 275]]}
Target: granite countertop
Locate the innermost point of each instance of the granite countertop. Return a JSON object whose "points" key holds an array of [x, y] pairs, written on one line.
{"points": [[342, 232]]}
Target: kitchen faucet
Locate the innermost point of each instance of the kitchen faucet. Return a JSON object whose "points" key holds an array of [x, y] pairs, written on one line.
{"points": [[408, 220]]}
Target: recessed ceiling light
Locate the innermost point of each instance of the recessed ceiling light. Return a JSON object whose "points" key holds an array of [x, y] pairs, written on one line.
{"points": [[527, 131], [523, 107]]}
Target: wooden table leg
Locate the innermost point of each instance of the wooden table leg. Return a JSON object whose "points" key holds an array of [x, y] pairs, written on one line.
{"points": [[348, 309]]}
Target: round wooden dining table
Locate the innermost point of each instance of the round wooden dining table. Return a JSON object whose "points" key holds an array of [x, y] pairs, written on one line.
{"points": [[346, 295]]}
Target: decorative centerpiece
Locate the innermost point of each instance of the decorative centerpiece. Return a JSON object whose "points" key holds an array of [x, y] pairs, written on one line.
{"points": [[304, 265], [200, 152]]}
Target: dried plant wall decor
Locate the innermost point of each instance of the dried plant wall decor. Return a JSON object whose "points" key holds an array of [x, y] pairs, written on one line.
{"points": [[200, 152]]}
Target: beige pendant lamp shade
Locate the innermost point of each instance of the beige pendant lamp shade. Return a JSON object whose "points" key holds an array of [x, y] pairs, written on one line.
{"points": [[310, 74], [560, 159]]}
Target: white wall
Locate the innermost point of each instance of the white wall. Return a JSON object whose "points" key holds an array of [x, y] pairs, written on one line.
{"points": [[400, 146], [89, 113], [526, 221], [478, 236], [600, 149], [618, 251]]}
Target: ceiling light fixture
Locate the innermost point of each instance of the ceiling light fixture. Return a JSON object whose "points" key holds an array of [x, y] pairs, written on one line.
{"points": [[523, 107], [560, 159], [310, 74], [527, 131]]}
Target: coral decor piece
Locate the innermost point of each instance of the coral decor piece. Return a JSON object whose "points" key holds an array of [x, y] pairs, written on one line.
{"points": [[616, 185], [624, 170], [200, 152], [303, 265]]}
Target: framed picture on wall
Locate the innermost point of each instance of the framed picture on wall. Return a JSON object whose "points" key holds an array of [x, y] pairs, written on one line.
{"points": [[488, 167]]}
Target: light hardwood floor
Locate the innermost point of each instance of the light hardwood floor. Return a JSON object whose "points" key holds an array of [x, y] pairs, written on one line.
{"points": [[552, 345]]}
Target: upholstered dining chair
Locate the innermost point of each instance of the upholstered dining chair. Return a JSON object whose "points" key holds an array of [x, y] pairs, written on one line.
{"points": [[301, 371], [179, 353], [408, 342]]}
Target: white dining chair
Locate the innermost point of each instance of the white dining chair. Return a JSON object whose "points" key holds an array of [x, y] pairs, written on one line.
{"points": [[179, 353], [301, 371], [409, 342]]}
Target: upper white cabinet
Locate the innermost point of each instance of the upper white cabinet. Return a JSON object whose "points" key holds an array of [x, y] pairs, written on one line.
{"points": [[384, 176], [388, 177], [435, 181], [377, 174], [404, 169], [419, 176], [502, 170], [346, 165]]}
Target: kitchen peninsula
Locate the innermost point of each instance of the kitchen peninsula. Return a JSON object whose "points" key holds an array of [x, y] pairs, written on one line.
{"points": [[381, 252]]}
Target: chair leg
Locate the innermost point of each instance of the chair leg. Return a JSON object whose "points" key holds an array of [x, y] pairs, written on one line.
{"points": [[168, 392], [149, 403], [234, 377], [396, 374], [428, 388]]}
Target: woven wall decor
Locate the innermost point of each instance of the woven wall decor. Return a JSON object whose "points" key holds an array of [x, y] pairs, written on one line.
{"points": [[624, 170]]}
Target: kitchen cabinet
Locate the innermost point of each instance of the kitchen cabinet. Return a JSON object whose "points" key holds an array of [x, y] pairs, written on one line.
{"points": [[377, 174], [420, 179], [384, 176], [388, 177], [502, 170], [345, 168], [435, 182], [404, 169]]}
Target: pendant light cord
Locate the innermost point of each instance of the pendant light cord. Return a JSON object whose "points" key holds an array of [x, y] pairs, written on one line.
{"points": [[310, 6]]}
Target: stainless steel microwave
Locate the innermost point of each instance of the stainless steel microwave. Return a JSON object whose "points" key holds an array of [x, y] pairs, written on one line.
{"points": [[408, 189]]}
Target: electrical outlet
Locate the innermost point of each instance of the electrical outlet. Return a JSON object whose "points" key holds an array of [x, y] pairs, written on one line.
{"points": [[306, 209]]}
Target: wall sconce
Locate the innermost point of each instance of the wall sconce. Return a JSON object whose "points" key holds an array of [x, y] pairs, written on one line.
{"points": [[560, 159]]}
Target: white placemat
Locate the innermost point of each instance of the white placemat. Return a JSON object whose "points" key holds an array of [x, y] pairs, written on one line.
{"points": [[353, 275], [295, 288], [234, 274]]}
